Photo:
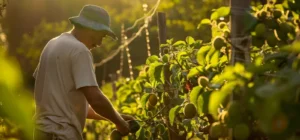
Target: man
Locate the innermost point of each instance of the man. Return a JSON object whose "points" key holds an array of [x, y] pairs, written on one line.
{"points": [[65, 83]]}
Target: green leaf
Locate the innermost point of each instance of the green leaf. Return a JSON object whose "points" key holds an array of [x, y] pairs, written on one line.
{"points": [[203, 102], [204, 21], [137, 87], [209, 54], [194, 94], [190, 40], [172, 114], [214, 15], [179, 43], [223, 11], [294, 48], [214, 61], [195, 71], [217, 97], [155, 72], [144, 99], [140, 134], [201, 54], [152, 59]]}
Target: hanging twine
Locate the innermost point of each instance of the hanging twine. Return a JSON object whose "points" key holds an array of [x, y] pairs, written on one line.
{"points": [[239, 47], [145, 7]]}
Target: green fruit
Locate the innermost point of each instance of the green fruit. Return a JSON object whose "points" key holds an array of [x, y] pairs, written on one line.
{"points": [[217, 130], [282, 35], [161, 128], [272, 23], [221, 25], [277, 13], [262, 15], [134, 126], [271, 39], [260, 30], [149, 106], [287, 27], [258, 42], [218, 43], [190, 110], [165, 58], [115, 135], [152, 99], [226, 34], [203, 81], [147, 134], [241, 131]]}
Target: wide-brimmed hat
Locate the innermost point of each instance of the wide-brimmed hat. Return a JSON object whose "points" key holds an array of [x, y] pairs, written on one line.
{"points": [[95, 18]]}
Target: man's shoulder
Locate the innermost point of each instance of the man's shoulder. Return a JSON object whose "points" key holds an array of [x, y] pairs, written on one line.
{"points": [[68, 40]]}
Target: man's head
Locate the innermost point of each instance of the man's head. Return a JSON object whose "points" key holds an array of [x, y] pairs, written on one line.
{"points": [[94, 21]]}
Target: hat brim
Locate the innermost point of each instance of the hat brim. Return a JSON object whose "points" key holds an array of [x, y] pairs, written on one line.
{"points": [[92, 25]]}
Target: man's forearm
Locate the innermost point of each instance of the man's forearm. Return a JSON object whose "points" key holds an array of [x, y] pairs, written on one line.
{"points": [[104, 108], [93, 115]]}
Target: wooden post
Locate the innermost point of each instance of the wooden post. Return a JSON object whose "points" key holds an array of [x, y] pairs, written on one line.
{"points": [[240, 37], [239, 11], [162, 30]]}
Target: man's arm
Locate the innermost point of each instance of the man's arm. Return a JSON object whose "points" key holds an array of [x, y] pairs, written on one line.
{"points": [[103, 107], [93, 115]]}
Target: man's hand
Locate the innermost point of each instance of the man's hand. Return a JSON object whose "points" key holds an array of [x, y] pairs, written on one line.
{"points": [[127, 117], [123, 127]]}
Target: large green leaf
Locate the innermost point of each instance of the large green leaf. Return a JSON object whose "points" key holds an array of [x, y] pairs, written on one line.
{"points": [[218, 96], [214, 15], [194, 94], [201, 54], [294, 48], [144, 99], [203, 22], [172, 114]]}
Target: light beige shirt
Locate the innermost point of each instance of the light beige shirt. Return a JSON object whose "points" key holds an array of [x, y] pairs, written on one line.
{"points": [[65, 65]]}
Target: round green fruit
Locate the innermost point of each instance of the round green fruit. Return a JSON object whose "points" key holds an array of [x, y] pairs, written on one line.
{"points": [[272, 23], [217, 130], [134, 126], [260, 30], [241, 131], [258, 42], [115, 135], [218, 43], [152, 99], [190, 110], [203, 81], [277, 13], [165, 58], [271, 39]]}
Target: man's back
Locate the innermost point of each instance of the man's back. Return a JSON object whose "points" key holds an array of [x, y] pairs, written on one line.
{"points": [[65, 66]]}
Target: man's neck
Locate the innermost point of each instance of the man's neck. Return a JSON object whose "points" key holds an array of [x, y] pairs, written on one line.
{"points": [[80, 36]]}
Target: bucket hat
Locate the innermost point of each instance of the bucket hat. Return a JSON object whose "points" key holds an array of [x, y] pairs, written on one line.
{"points": [[94, 18]]}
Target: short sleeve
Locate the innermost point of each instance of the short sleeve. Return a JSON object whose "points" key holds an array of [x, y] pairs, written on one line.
{"points": [[36, 71], [83, 70]]}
